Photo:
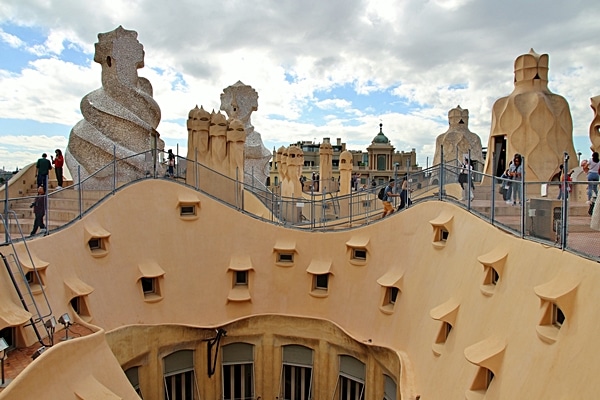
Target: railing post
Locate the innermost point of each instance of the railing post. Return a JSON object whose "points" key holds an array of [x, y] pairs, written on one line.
{"points": [[6, 225], [493, 188], [237, 188], [80, 191], [312, 205], [114, 188], [196, 167], [523, 190], [46, 203], [351, 206], [564, 209], [469, 181], [155, 151], [177, 163], [441, 174]]}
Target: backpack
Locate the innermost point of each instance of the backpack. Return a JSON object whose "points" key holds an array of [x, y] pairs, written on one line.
{"points": [[381, 193]]}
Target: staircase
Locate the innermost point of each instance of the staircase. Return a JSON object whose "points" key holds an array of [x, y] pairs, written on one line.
{"points": [[63, 207]]}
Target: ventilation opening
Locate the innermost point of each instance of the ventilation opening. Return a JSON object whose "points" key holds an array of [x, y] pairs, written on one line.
{"points": [[558, 317], [80, 307], [442, 235], [187, 211], [392, 295], [95, 244], [321, 281], [359, 254], [552, 321], [491, 277], [35, 281], [151, 288], [148, 285], [240, 278], [98, 246], [443, 333], [482, 380], [285, 257]]}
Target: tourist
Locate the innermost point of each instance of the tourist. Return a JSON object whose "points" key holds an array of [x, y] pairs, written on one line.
{"points": [[506, 187], [171, 161], [560, 179], [39, 210], [58, 163], [404, 199], [516, 173], [465, 171], [592, 176], [388, 193], [566, 186], [42, 167]]}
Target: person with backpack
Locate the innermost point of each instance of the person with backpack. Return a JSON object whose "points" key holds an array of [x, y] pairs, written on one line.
{"points": [[388, 193]]}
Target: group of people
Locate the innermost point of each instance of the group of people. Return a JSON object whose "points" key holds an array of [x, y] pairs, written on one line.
{"points": [[389, 194], [43, 167], [42, 170]]}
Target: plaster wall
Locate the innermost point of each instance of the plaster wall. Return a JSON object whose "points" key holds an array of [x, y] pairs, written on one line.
{"points": [[145, 226]]}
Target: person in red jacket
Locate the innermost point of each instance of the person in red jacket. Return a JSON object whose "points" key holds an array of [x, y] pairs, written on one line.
{"points": [[58, 163]]}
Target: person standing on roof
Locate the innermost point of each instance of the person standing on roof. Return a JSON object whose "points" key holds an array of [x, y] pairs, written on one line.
{"points": [[42, 167], [58, 163], [388, 193]]}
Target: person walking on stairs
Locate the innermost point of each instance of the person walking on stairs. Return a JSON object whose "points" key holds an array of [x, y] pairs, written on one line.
{"points": [[39, 209]]}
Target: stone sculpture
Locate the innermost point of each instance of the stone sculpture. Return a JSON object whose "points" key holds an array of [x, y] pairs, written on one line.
{"points": [[239, 101], [535, 123], [236, 139], [325, 160], [294, 170], [119, 119], [458, 140], [345, 172], [217, 144], [198, 125], [595, 125]]}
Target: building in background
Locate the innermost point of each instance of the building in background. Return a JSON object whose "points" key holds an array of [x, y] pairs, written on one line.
{"points": [[378, 163]]}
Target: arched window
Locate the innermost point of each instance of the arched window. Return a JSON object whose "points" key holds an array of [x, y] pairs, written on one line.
{"points": [[296, 373], [179, 376], [238, 371]]}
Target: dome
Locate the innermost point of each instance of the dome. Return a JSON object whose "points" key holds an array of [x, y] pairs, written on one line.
{"points": [[380, 138]]}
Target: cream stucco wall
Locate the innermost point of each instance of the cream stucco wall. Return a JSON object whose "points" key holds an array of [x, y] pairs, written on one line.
{"points": [[145, 228]]}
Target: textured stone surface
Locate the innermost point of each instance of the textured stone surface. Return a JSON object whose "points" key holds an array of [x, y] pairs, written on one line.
{"points": [[536, 123], [120, 118], [239, 101], [458, 139]]}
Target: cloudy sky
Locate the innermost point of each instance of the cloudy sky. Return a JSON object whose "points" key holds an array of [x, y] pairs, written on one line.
{"points": [[326, 68]]}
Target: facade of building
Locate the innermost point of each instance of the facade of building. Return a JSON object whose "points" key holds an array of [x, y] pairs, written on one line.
{"points": [[380, 162]]}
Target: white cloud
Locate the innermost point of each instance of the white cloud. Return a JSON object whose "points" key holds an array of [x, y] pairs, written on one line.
{"points": [[428, 56], [11, 40]]}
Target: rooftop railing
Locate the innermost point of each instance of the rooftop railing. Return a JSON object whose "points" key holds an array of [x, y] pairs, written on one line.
{"points": [[534, 211]]}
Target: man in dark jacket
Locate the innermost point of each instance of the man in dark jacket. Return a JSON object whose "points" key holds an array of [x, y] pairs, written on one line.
{"points": [[42, 167], [39, 209]]}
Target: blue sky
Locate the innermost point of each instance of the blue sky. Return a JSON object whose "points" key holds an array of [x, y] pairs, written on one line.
{"points": [[327, 69]]}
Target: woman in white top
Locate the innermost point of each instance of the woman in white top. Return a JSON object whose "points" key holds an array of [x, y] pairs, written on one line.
{"points": [[593, 176]]}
